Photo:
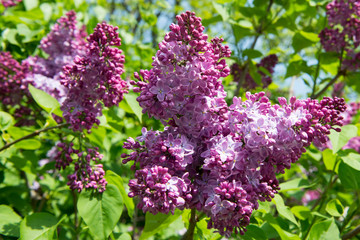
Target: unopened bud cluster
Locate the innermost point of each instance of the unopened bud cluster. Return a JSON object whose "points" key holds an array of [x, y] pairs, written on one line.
{"points": [[86, 174]]}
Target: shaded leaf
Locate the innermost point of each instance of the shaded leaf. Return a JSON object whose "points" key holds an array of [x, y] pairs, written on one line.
{"points": [[156, 223], [9, 222], [38, 226], [334, 208], [134, 105]]}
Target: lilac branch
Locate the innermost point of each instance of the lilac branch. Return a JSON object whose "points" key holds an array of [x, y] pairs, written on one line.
{"points": [[33, 134], [189, 235]]}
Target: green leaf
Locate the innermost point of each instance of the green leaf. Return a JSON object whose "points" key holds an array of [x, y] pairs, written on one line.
{"points": [[9, 222], [101, 211], [29, 144], [295, 184], [47, 9], [156, 223], [325, 230], [134, 105], [299, 41], [253, 232], [334, 208], [221, 10], [349, 177], [353, 160], [284, 235], [124, 236], [329, 159], [252, 53], [45, 101], [283, 210], [38, 226], [313, 37], [30, 4], [113, 178], [202, 231], [6, 120], [301, 212], [297, 67], [339, 139], [10, 35]]}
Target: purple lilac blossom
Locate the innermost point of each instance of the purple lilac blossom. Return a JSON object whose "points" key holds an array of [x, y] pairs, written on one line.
{"points": [[94, 78], [343, 34], [86, 174], [62, 44], [309, 196], [10, 3], [216, 158], [14, 89]]}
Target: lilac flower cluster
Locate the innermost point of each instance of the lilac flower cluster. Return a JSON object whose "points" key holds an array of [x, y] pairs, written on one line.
{"points": [[183, 83], [13, 89], [216, 158], [94, 78], [10, 3], [62, 44], [343, 33], [12, 84], [268, 63], [86, 175]]}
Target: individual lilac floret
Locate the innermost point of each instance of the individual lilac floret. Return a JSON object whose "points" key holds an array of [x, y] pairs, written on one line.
{"points": [[10, 3], [62, 44], [94, 78], [183, 87]]}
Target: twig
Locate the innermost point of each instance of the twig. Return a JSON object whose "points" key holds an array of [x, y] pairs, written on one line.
{"points": [[76, 219], [352, 233], [258, 31], [33, 134], [332, 81], [189, 235]]}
